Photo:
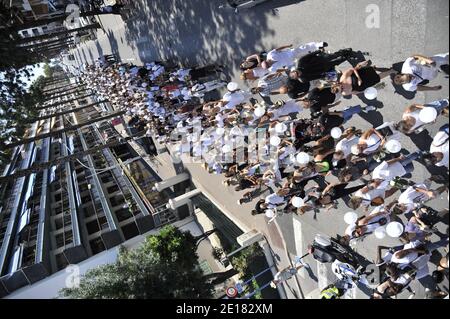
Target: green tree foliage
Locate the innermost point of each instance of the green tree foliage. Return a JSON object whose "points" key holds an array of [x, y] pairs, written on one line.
{"points": [[48, 71], [164, 266], [17, 104], [242, 260]]}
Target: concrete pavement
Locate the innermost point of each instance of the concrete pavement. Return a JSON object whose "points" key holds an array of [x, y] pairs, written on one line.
{"points": [[196, 32]]}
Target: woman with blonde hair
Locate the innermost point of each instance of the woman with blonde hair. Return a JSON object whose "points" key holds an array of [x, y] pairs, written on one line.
{"points": [[254, 74]]}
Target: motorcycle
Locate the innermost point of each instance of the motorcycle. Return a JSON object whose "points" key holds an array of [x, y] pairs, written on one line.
{"points": [[326, 250], [240, 4]]}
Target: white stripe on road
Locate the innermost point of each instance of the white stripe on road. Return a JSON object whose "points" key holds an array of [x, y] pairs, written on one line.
{"points": [[299, 244], [322, 275], [350, 293]]}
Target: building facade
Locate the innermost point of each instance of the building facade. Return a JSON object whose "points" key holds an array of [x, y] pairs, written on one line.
{"points": [[77, 209]]}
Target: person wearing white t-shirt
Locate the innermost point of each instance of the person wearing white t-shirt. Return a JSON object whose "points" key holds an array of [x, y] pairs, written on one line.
{"points": [[285, 274], [288, 107], [380, 216], [417, 256], [284, 57], [438, 154], [419, 68], [181, 75], [371, 195], [415, 195], [396, 167], [254, 74], [345, 145], [276, 199], [232, 99], [277, 114], [411, 121], [374, 139], [200, 89], [404, 257]]}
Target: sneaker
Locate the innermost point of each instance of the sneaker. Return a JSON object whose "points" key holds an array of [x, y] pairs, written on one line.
{"points": [[380, 86], [419, 130], [239, 202], [369, 108], [299, 261], [324, 44]]}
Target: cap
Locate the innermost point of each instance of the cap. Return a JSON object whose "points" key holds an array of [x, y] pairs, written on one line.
{"points": [[232, 86]]}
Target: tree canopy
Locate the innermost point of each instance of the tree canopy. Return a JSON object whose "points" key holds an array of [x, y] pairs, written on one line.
{"points": [[48, 71], [164, 266], [17, 105]]}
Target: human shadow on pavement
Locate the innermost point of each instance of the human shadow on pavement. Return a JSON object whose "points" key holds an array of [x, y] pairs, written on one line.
{"points": [[275, 4], [311, 274], [423, 141], [99, 48], [373, 117], [114, 44]]}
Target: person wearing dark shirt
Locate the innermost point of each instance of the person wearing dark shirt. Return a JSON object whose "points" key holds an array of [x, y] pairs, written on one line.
{"points": [[295, 88], [320, 100], [333, 192], [303, 132], [330, 120], [354, 170], [316, 65], [253, 61]]}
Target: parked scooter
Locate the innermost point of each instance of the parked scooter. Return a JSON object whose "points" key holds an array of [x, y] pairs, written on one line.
{"points": [[240, 4], [347, 274]]}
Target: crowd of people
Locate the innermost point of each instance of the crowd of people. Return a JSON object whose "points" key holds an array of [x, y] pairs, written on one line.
{"points": [[300, 152]]}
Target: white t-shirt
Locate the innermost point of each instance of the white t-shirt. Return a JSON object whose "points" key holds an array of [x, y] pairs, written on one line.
{"points": [[440, 145], [373, 223], [406, 260], [380, 191], [373, 144], [410, 197], [388, 172], [416, 116], [420, 72], [260, 72], [403, 280], [283, 59], [219, 119], [273, 200], [289, 107], [345, 145], [234, 98], [285, 274], [181, 74]]}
